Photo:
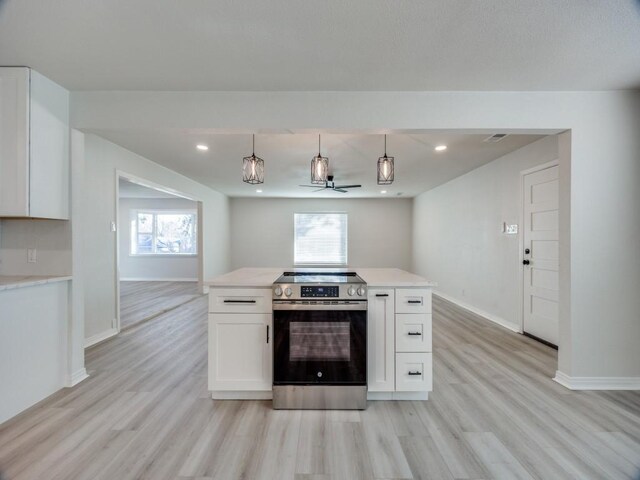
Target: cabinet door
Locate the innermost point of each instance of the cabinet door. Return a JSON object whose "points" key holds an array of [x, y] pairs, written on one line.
{"points": [[14, 142], [413, 300], [414, 372], [413, 332], [48, 149], [380, 344], [240, 352]]}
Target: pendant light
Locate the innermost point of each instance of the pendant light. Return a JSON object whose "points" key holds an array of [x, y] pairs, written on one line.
{"points": [[319, 168], [385, 167], [253, 167]]}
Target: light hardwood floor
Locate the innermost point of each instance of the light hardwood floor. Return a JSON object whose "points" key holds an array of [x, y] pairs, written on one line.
{"points": [[494, 413], [141, 301]]}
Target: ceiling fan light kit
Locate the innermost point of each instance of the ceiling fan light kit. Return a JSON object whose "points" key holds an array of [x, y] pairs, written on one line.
{"points": [[385, 167], [253, 167], [319, 168]]}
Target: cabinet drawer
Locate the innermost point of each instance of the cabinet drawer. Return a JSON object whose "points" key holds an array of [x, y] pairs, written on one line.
{"points": [[413, 332], [413, 300], [414, 372], [240, 300]]}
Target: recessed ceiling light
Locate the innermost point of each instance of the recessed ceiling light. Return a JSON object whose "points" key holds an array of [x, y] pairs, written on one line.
{"points": [[383, 191], [258, 191], [202, 146], [440, 148]]}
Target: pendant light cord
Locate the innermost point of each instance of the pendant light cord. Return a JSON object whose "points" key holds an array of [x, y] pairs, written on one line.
{"points": [[319, 146], [253, 145], [385, 145]]}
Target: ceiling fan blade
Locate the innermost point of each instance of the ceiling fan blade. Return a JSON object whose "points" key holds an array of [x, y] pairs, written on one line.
{"points": [[310, 186], [319, 190], [348, 186], [336, 189]]}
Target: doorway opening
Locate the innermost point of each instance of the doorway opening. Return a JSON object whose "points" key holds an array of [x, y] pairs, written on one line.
{"points": [[158, 250]]}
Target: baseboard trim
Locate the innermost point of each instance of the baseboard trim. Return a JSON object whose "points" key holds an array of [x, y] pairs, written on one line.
{"points": [[100, 337], [76, 377], [597, 383], [166, 279], [492, 318]]}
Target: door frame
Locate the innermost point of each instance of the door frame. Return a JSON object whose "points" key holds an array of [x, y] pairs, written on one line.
{"points": [[524, 173], [119, 174]]}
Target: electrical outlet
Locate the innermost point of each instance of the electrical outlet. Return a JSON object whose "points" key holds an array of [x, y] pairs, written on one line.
{"points": [[511, 229], [113, 226], [32, 255]]}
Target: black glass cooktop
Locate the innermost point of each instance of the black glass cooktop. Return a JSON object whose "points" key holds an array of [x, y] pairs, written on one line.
{"points": [[319, 277]]}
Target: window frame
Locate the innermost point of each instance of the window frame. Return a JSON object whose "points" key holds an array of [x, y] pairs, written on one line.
{"points": [[320, 264], [133, 217]]}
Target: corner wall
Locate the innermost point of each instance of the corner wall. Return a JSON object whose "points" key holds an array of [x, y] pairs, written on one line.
{"points": [[103, 159], [458, 240]]}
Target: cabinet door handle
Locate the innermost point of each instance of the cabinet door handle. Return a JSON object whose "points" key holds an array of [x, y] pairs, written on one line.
{"points": [[414, 333], [239, 301], [267, 333], [415, 373], [382, 294], [414, 301]]}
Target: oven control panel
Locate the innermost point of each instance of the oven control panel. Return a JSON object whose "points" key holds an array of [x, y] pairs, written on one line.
{"points": [[325, 291]]}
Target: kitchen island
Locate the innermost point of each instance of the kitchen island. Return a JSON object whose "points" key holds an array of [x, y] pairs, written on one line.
{"points": [[399, 358]]}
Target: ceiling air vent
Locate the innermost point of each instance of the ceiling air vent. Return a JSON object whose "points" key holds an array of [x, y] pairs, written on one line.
{"points": [[495, 138]]}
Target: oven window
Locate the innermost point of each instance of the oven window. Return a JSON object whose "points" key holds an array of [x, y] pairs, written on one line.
{"points": [[320, 341]]}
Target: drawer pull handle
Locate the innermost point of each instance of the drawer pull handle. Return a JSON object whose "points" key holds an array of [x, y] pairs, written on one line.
{"points": [[239, 301], [414, 301], [382, 294], [415, 373], [414, 333]]}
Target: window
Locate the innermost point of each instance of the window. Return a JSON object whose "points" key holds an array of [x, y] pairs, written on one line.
{"points": [[320, 238], [163, 232]]}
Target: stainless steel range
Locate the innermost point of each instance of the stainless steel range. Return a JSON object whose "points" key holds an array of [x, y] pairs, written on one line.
{"points": [[320, 341]]}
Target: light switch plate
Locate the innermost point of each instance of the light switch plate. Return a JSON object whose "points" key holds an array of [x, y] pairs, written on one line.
{"points": [[511, 229], [113, 226], [32, 255]]}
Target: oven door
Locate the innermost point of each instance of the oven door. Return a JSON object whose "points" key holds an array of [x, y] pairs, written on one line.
{"points": [[320, 347]]}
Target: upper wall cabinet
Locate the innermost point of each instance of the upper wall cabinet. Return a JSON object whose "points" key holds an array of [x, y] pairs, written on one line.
{"points": [[34, 145]]}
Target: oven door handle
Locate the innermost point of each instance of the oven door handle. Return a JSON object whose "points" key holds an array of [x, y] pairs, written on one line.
{"points": [[318, 306], [239, 301]]}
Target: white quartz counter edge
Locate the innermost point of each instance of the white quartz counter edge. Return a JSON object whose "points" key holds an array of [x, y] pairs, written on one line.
{"points": [[264, 277], [9, 282]]}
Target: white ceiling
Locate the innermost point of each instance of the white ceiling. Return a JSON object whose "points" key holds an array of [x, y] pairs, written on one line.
{"points": [[352, 159], [325, 45]]}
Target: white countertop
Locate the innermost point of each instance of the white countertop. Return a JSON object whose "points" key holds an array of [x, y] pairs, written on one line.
{"points": [[264, 277], [8, 282]]}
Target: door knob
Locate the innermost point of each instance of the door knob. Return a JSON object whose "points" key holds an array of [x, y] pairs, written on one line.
{"points": [[525, 262]]}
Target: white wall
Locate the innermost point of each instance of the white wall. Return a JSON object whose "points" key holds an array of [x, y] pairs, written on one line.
{"points": [[50, 238], [102, 159], [379, 230], [136, 267], [458, 239], [599, 327]]}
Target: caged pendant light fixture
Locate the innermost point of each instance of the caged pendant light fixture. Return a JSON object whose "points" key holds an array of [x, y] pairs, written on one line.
{"points": [[319, 168], [385, 167], [253, 167]]}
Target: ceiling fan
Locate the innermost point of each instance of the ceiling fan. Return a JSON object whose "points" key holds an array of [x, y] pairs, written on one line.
{"points": [[331, 185]]}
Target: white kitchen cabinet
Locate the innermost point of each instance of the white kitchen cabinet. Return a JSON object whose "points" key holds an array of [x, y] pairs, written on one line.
{"points": [[413, 332], [413, 300], [380, 345], [414, 372], [34, 145], [240, 342], [240, 352]]}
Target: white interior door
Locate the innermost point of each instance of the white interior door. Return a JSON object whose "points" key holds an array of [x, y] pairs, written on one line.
{"points": [[541, 254]]}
